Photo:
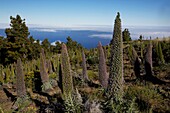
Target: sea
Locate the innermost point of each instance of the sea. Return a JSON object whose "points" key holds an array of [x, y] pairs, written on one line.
{"points": [[89, 38]]}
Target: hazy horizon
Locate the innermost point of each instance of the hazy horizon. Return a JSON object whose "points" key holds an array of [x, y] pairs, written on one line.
{"points": [[135, 31], [89, 36], [149, 18]]}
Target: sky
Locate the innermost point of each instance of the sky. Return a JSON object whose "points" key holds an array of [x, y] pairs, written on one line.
{"points": [[71, 13]]}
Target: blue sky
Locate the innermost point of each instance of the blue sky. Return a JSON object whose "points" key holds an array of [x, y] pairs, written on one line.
{"points": [[87, 12]]}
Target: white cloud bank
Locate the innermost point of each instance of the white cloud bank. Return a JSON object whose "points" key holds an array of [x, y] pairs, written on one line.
{"points": [[136, 31], [45, 30], [149, 34], [104, 36], [39, 42], [53, 43]]}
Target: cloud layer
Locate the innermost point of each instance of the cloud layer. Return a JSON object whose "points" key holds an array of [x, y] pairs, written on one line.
{"points": [[104, 36], [53, 43], [136, 31]]}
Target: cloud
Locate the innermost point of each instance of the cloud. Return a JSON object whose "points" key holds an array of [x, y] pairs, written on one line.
{"points": [[146, 31], [75, 27], [149, 31], [39, 42], [104, 36], [4, 25], [54, 43], [148, 34], [136, 31], [45, 30], [107, 28]]}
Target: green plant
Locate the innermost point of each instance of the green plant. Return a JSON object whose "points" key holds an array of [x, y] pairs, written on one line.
{"points": [[146, 97], [72, 99], [12, 68], [69, 105], [29, 79], [160, 53], [126, 35], [92, 75], [46, 87], [115, 85], [7, 74], [67, 82], [1, 74]]}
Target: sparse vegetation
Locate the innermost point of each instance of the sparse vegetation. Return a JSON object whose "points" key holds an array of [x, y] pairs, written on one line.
{"points": [[38, 77]]}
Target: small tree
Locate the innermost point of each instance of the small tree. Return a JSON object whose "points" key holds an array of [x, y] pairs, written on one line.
{"points": [[46, 45], [140, 37], [103, 77], [18, 44], [126, 35]]}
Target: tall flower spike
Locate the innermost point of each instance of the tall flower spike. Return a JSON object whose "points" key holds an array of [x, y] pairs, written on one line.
{"points": [[103, 77], [84, 71], [43, 71], [148, 60], [22, 97], [135, 61], [20, 83], [115, 85], [46, 87], [67, 82]]}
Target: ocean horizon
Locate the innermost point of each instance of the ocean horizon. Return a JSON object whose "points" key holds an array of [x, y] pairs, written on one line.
{"points": [[89, 36]]}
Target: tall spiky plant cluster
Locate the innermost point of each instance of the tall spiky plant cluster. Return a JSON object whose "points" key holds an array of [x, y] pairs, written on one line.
{"points": [[20, 83], [46, 87], [22, 97], [142, 46], [103, 77], [84, 71], [136, 63], [115, 85], [54, 63], [1, 74], [135, 60], [29, 66], [49, 66], [43, 71], [12, 71], [160, 53], [7, 74], [67, 82], [148, 60]]}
